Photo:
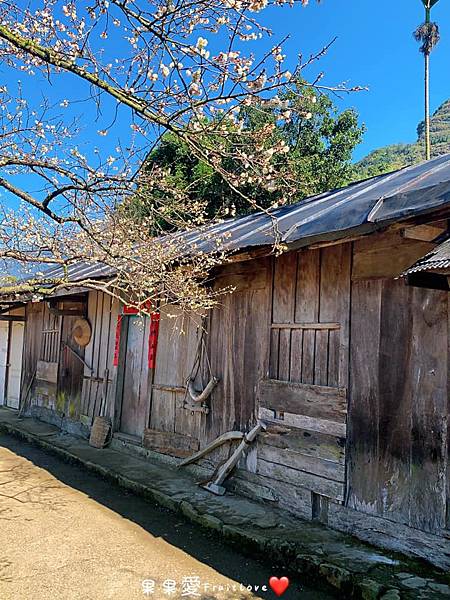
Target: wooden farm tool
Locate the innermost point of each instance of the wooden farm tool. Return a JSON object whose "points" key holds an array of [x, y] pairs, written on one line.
{"points": [[215, 486]]}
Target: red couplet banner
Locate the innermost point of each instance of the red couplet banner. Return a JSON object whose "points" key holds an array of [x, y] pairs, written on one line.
{"points": [[153, 339], [117, 341]]}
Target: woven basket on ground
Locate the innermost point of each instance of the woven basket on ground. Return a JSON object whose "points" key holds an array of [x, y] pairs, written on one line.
{"points": [[99, 432]]}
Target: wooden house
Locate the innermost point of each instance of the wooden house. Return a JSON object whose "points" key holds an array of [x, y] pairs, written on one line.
{"points": [[344, 358]]}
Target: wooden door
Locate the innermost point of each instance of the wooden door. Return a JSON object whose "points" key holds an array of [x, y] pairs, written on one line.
{"points": [[135, 398], [14, 366], [71, 370], [174, 426]]}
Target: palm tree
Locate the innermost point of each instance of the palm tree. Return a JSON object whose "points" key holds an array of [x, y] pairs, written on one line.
{"points": [[428, 35]]}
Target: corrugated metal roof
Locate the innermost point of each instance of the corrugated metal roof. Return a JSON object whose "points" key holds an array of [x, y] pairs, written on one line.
{"points": [[437, 259], [361, 207], [356, 209], [81, 271]]}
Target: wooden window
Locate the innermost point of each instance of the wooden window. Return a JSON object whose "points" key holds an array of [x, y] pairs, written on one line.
{"points": [[305, 353], [50, 338], [310, 317]]}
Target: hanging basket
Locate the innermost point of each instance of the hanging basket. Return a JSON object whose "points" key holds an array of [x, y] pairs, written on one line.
{"points": [[99, 432]]}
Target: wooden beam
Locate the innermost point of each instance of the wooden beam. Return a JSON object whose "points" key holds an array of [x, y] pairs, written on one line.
{"points": [[315, 401], [177, 389], [175, 444], [317, 326], [6, 309], [344, 240], [423, 233], [308, 443], [11, 318], [59, 312], [386, 255], [296, 460], [304, 422], [250, 254], [325, 487]]}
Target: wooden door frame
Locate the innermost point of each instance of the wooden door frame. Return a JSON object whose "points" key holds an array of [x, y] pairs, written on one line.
{"points": [[120, 375]]}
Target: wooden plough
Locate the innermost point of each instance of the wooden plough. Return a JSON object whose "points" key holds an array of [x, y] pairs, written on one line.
{"points": [[215, 485]]}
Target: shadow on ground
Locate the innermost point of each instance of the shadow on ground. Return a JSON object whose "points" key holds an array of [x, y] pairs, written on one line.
{"points": [[174, 529]]}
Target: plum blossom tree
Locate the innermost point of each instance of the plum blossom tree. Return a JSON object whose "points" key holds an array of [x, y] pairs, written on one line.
{"points": [[109, 79]]}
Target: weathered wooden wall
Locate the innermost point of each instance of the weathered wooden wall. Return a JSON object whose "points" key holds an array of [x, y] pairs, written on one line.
{"points": [[348, 365], [398, 418], [238, 345], [302, 456], [399, 395]]}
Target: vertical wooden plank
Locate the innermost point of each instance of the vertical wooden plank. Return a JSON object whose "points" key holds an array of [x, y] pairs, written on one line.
{"points": [[104, 334], [395, 399], [321, 358], [334, 345], [98, 353], [274, 353], [168, 370], [284, 288], [102, 349], [255, 336], [308, 355], [363, 419], [307, 292], [188, 422], [114, 313], [32, 347], [428, 389], [216, 351], [144, 391], [71, 370], [96, 387], [239, 374], [335, 307], [44, 353], [163, 411], [296, 355], [284, 357]]}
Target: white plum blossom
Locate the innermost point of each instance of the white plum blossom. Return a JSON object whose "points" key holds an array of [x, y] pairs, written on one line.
{"points": [[131, 72]]}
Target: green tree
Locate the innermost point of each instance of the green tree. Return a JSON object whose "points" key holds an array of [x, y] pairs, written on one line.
{"points": [[320, 139], [428, 35]]}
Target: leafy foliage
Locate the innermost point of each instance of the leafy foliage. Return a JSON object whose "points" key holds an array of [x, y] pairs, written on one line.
{"points": [[318, 140]]}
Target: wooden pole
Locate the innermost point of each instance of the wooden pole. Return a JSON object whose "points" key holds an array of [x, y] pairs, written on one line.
{"points": [[427, 107]]}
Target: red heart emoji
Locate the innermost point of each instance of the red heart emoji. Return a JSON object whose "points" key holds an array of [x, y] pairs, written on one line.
{"points": [[279, 586]]}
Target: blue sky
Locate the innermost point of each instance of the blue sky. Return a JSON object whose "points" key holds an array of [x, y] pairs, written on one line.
{"points": [[375, 48]]}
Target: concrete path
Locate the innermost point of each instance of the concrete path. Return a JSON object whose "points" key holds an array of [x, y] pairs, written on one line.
{"points": [[68, 534], [302, 550]]}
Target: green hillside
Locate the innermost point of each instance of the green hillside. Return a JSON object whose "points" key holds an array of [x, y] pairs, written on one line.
{"points": [[397, 156]]}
